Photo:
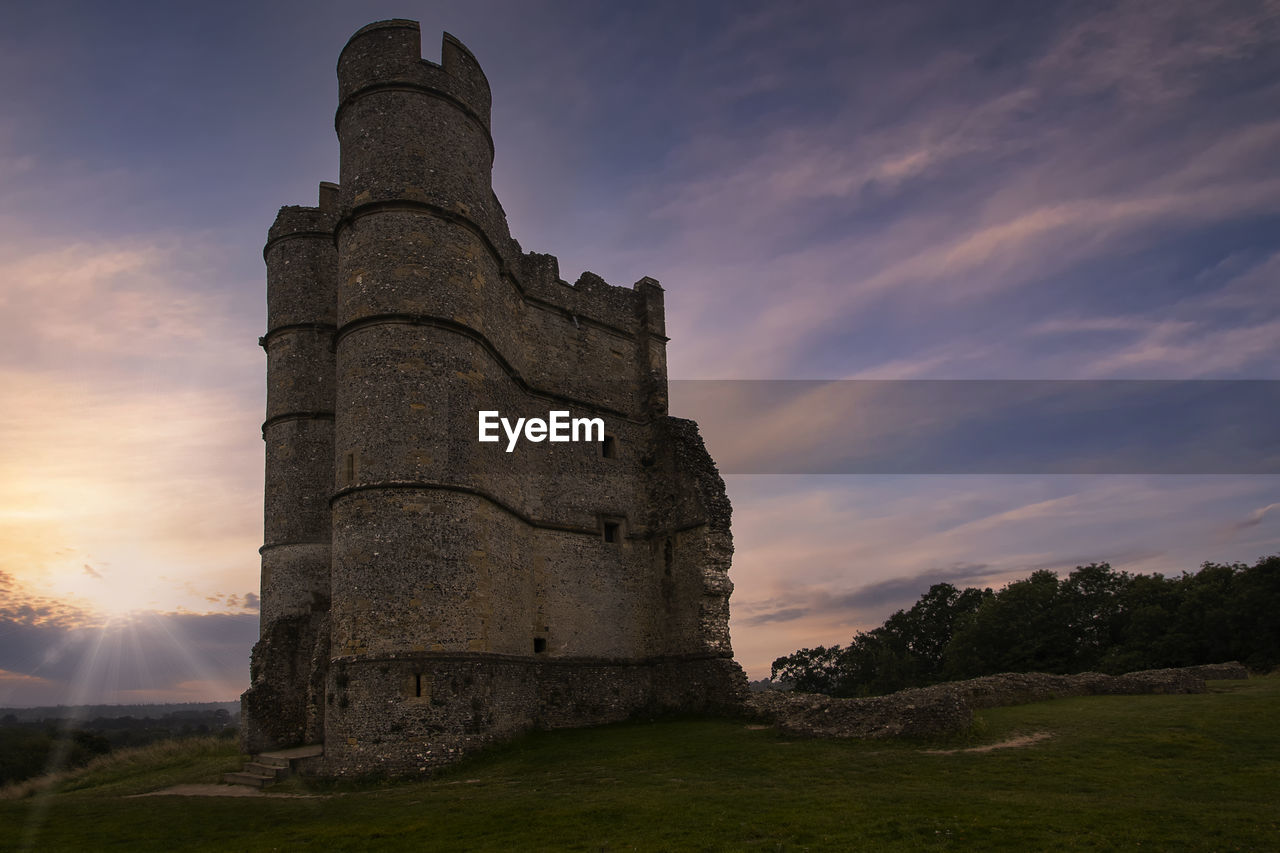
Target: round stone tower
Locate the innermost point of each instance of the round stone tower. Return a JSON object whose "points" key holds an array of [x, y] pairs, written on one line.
{"points": [[283, 707], [420, 245]]}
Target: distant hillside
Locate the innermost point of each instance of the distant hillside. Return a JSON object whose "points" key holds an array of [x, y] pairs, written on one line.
{"points": [[112, 712], [32, 740]]}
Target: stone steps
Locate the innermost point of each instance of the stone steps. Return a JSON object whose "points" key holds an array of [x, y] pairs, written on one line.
{"points": [[253, 780], [272, 771], [266, 768]]}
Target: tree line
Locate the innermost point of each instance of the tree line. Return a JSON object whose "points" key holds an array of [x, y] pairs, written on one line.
{"points": [[1095, 619]]}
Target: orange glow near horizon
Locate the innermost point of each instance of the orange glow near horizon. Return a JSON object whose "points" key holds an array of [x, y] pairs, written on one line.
{"points": [[123, 490]]}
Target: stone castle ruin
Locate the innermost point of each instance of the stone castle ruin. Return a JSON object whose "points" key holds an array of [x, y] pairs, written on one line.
{"points": [[425, 593]]}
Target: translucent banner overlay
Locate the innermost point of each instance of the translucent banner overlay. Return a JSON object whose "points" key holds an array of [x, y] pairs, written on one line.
{"points": [[986, 426]]}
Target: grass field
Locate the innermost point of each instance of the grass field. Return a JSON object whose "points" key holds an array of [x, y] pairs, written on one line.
{"points": [[1116, 772]]}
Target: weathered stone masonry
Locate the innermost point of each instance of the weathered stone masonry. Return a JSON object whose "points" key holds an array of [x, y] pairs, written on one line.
{"points": [[422, 593]]}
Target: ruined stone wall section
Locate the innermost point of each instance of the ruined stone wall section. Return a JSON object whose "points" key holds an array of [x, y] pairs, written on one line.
{"points": [[948, 707], [690, 520]]}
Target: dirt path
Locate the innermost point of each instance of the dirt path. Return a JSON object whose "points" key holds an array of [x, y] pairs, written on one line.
{"points": [[1011, 743], [219, 791]]}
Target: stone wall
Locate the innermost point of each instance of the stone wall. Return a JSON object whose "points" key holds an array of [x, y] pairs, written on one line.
{"points": [[408, 714], [947, 708]]}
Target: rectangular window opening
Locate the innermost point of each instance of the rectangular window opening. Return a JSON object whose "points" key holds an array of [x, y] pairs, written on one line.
{"points": [[539, 645], [612, 531], [417, 685], [609, 447]]}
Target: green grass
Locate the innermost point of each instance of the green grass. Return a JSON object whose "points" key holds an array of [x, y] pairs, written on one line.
{"points": [[1119, 772], [135, 771]]}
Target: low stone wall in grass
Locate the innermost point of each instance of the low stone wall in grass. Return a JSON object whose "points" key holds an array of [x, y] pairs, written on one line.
{"points": [[949, 707]]}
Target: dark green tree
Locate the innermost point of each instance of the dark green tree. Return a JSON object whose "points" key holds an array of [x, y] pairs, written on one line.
{"points": [[1145, 610], [1090, 603], [908, 650], [1255, 609], [816, 670], [1023, 628]]}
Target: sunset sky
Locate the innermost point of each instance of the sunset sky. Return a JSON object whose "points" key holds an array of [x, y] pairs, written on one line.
{"points": [[826, 190]]}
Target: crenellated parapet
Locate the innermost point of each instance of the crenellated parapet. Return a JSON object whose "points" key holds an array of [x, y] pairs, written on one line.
{"points": [[389, 54]]}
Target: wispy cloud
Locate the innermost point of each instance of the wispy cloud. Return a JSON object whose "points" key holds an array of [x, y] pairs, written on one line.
{"points": [[1145, 51], [894, 592], [1256, 517], [982, 187], [95, 307]]}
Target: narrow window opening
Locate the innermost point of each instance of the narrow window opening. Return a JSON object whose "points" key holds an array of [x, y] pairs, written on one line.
{"points": [[417, 685], [349, 469], [668, 557], [539, 645], [609, 447], [612, 531]]}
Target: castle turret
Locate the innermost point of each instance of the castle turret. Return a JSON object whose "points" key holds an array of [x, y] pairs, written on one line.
{"points": [[283, 706]]}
